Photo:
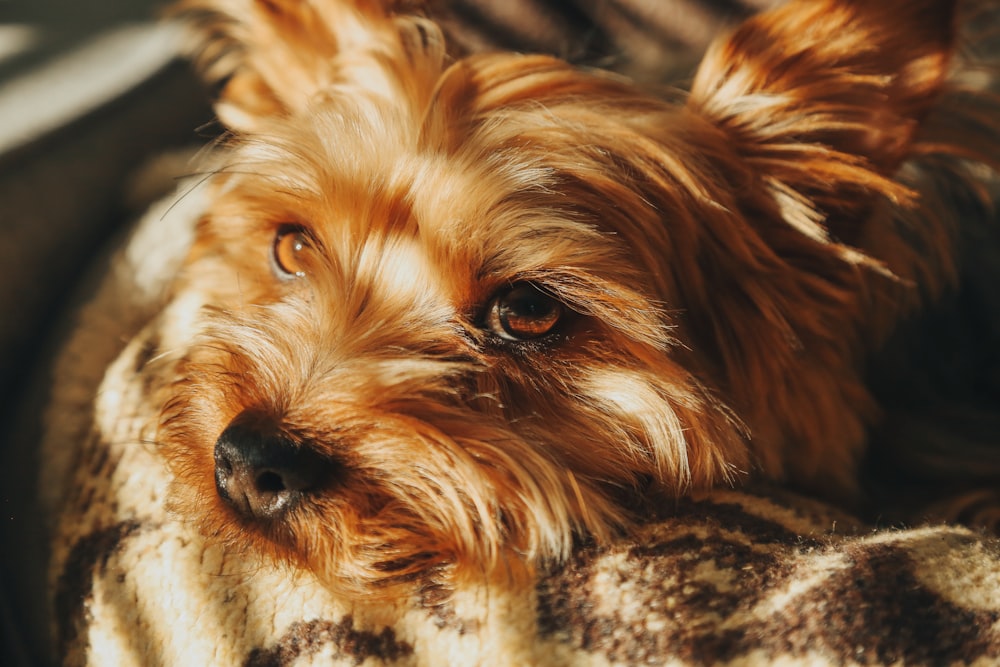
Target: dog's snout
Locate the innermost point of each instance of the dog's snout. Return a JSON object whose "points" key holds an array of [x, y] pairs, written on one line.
{"points": [[261, 474]]}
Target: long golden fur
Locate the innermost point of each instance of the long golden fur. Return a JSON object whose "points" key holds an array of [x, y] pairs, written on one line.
{"points": [[466, 307]]}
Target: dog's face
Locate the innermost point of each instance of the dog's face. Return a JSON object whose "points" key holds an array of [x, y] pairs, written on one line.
{"points": [[464, 313], [421, 347]]}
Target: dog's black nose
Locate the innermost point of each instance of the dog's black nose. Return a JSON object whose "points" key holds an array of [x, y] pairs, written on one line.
{"points": [[261, 474]]}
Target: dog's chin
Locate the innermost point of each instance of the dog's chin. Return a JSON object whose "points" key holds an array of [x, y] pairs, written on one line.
{"points": [[370, 552], [370, 534]]}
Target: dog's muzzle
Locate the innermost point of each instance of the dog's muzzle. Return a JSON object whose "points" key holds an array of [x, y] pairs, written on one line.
{"points": [[261, 475]]}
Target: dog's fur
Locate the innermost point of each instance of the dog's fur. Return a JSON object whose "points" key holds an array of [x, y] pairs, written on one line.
{"points": [[718, 267]]}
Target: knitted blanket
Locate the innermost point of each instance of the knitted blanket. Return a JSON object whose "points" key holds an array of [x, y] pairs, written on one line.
{"points": [[736, 577]]}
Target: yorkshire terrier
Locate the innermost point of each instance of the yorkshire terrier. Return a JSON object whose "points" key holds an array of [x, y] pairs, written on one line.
{"points": [[452, 311]]}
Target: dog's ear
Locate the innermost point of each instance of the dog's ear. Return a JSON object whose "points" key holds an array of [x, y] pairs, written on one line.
{"points": [[273, 57], [825, 100]]}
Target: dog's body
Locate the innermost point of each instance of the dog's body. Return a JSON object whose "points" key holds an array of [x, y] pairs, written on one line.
{"points": [[455, 311]]}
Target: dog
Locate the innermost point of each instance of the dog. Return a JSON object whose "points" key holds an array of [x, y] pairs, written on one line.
{"points": [[454, 312]]}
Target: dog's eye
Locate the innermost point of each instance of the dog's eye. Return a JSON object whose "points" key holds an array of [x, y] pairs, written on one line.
{"points": [[289, 245], [523, 312]]}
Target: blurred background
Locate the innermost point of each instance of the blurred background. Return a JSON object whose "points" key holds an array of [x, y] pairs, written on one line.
{"points": [[89, 93]]}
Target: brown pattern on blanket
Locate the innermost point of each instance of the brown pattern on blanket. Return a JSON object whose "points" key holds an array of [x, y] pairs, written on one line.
{"points": [[717, 598], [308, 638]]}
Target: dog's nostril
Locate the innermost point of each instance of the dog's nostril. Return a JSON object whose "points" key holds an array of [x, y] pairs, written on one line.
{"points": [[261, 475], [270, 482]]}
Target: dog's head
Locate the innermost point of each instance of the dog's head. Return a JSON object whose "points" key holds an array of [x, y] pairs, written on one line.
{"points": [[458, 311]]}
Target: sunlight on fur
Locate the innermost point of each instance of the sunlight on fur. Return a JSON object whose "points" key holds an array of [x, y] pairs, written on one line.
{"points": [[460, 310]]}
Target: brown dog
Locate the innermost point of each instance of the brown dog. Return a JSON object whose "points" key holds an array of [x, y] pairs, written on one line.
{"points": [[452, 312]]}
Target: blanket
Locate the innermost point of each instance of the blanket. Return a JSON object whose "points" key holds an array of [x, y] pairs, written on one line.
{"points": [[733, 577]]}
